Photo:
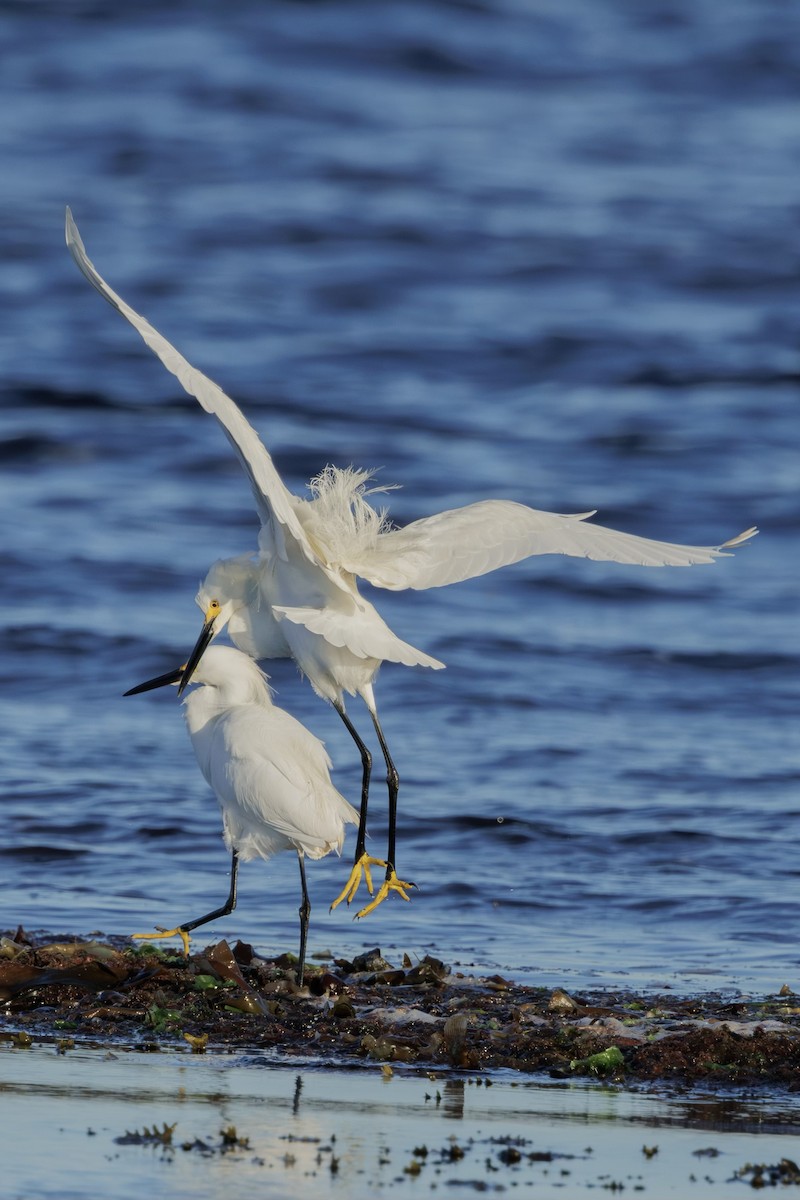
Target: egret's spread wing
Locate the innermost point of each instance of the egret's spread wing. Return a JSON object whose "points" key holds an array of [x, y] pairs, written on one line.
{"points": [[366, 638], [275, 502], [464, 542]]}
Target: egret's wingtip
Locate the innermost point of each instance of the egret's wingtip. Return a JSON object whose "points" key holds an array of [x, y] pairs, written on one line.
{"points": [[741, 537], [73, 238]]}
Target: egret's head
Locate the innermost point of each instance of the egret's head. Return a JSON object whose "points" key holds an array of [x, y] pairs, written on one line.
{"points": [[216, 614], [235, 675], [226, 588], [221, 667], [229, 584]]}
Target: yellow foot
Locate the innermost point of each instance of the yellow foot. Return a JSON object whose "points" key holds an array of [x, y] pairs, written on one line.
{"points": [[361, 869], [392, 884], [166, 933]]}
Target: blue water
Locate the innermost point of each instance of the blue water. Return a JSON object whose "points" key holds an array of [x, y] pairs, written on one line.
{"points": [[547, 252]]}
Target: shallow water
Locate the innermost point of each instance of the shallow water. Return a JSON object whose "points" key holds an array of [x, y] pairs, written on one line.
{"points": [[548, 255], [355, 1133]]}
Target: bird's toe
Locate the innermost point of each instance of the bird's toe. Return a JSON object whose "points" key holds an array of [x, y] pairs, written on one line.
{"points": [[165, 933], [361, 870], [390, 884]]}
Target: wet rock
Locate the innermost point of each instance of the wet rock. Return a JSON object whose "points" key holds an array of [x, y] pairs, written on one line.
{"points": [[372, 961], [561, 1002], [455, 1035], [343, 1010], [431, 971], [243, 953], [325, 984], [386, 979]]}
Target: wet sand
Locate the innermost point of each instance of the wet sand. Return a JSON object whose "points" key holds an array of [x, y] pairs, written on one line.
{"points": [[131, 1123]]}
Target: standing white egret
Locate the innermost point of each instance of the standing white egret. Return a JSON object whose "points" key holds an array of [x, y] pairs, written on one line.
{"points": [[299, 596], [270, 774]]}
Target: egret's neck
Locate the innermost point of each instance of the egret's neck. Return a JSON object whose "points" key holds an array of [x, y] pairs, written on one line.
{"points": [[208, 701]]}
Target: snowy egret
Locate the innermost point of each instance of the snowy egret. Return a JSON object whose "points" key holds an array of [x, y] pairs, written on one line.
{"points": [[298, 597], [270, 774]]}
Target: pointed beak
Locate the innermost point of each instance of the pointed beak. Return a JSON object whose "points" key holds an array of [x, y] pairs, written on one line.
{"points": [[201, 645], [160, 681]]}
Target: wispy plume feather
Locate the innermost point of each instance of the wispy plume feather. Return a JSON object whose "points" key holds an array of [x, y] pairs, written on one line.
{"points": [[340, 517]]}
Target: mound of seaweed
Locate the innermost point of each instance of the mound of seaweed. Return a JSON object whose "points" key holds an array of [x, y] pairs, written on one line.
{"points": [[420, 1013]]}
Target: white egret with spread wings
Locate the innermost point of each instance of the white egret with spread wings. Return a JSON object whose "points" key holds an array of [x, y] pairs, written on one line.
{"points": [[298, 596]]}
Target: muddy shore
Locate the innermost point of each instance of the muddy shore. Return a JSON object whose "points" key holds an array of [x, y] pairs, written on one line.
{"points": [[367, 1011]]}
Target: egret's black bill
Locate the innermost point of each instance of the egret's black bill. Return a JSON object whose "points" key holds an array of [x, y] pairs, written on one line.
{"points": [[201, 645], [160, 681]]}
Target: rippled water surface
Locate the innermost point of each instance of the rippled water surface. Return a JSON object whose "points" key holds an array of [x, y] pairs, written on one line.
{"points": [[540, 252]]}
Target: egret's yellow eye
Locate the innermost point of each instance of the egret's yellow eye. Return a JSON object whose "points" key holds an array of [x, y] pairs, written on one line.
{"points": [[214, 606]]}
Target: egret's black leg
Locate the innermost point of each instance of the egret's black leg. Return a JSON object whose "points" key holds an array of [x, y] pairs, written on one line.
{"points": [[361, 860], [366, 770], [305, 914], [227, 907], [393, 783], [391, 883], [182, 931]]}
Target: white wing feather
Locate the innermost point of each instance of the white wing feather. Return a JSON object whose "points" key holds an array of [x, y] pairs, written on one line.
{"points": [[276, 504], [364, 638], [464, 542]]}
